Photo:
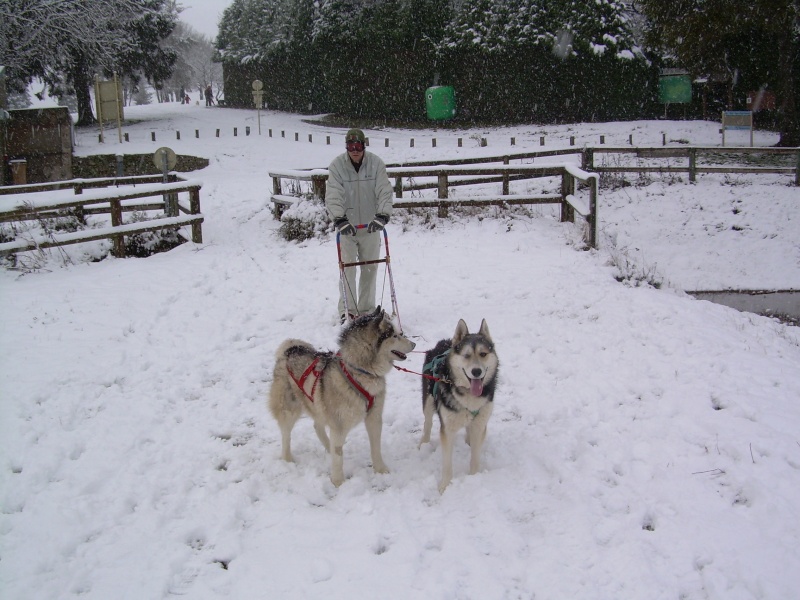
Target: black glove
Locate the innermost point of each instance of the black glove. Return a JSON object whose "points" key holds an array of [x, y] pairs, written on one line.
{"points": [[344, 227], [378, 223]]}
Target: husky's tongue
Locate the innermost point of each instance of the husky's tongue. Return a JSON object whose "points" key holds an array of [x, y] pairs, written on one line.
{"points": [[476, 387]]}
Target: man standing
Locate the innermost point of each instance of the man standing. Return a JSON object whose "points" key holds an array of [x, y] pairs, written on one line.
{"points": [[359, 200], [209, 96]]}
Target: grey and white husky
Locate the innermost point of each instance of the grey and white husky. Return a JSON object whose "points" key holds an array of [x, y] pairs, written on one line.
{"points": [[459, 379], [338, 389]]}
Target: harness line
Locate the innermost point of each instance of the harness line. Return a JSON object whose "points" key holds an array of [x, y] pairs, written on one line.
{"points": [[300, 382]]}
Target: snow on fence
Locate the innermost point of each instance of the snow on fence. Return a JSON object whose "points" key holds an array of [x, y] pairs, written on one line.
{"points": [[37, 202]]}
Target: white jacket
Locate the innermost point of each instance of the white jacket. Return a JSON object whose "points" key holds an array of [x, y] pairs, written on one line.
{"points": [[361, 195]]}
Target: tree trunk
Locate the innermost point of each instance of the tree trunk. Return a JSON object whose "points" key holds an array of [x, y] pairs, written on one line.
{"points": [[82, 81]]}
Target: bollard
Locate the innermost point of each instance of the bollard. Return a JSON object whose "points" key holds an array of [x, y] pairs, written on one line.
{"points": [[572, 140], [309, 138], [283, 134], [120, 165], [197, 133], [630, 139], [386, 143], [541, 141], [412, 143], [296, 137], [126, 137], [235, 131], [217, 132], [177, 135], [327, 140], [513, 141], [433, 142], [460, 142], [602, 139], [247, 130], [152, 136]]}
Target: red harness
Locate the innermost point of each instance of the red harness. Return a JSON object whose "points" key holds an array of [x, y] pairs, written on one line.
{"points": [[311, 369]]}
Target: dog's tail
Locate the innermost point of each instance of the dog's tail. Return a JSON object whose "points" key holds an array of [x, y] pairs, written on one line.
{"points": [[284, 349]]}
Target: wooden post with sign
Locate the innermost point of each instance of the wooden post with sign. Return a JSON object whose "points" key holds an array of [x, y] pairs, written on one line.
{"points": [[258, 96], [737, 119], [108, 101]]}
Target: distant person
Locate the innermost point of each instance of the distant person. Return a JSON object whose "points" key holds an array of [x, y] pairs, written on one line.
{"points": [[359, 200], [209, 96]]}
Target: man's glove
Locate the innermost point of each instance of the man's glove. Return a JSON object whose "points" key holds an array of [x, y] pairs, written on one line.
{"points": [[378, 223], [344, 227]]}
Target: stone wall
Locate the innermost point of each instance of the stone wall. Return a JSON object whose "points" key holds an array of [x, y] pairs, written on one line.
{"points": [[105, 165]]}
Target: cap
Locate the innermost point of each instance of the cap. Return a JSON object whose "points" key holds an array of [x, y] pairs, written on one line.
{"points": [[355, 135]]}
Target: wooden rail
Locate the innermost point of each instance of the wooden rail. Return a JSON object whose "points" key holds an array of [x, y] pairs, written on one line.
{"points": [[465, 174], [692, 154], [115, 202]]}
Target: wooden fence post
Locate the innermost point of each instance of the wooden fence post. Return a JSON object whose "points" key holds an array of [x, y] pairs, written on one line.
{"points": [[593, 212], [398, 187], [118, 248], [692, 165], [567, 212], [318, 186], [276, 189], [506, 162], [194, 208], [442, 188], [797, 170], [587, 159]]}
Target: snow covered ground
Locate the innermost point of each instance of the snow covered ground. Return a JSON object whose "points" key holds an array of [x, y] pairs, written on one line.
{"points": [[644, 444]]}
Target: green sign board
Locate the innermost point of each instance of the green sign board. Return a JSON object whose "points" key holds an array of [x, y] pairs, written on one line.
{"points": [[675, 89]]}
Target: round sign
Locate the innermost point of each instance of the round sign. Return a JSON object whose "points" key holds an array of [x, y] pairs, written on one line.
{"points": [[160, 154], [257, 85]]}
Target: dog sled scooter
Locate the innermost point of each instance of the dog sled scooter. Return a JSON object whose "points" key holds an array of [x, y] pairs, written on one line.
{"points": [[386, 260]]}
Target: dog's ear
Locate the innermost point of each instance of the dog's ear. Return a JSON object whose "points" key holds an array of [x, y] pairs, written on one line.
{"points": [[484, 330], [461, 331], [378, 312]]}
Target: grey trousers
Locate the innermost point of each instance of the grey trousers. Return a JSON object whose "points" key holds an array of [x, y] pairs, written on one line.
{"points": [[356, 248]]}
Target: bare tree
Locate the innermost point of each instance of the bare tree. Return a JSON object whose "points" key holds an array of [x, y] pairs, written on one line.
{"points": [[65, 42]]}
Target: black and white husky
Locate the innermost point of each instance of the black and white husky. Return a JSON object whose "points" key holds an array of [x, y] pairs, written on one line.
{"points": [[459, 379]]}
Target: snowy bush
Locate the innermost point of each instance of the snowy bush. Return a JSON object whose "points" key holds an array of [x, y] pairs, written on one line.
{"points": [[304, 219]]}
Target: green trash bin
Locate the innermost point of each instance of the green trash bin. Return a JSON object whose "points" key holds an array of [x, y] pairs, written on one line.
{"points": [[441, 102]]}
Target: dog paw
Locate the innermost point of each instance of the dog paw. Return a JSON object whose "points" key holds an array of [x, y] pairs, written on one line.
{"points": [[337, 481], [381, 468], [443, 486]]}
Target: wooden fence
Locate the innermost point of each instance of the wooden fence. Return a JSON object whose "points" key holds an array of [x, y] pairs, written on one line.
{"points": [[144, 195], [445, 176], [699, 159]]}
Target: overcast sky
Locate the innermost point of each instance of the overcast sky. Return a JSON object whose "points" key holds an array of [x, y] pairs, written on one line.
{"points": [[203, 15]]}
